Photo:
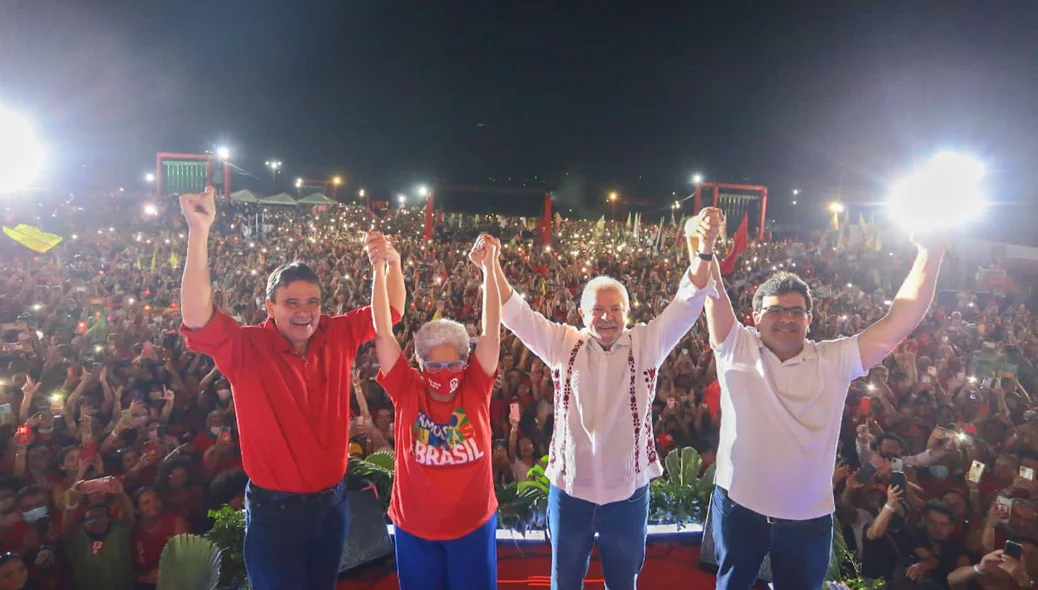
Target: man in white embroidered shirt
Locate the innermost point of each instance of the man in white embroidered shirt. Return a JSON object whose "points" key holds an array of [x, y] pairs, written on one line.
{"points": [[782, 398], [602, 453]]}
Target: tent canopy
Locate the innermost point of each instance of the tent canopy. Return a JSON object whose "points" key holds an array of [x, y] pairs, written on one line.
{"points": [[279, 199], [245, 196], [315, 199]]}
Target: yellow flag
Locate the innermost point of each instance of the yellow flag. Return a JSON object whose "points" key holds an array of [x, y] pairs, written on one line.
{"points": [[173, 260], [33, 237], [155, 259], [139, 265]]}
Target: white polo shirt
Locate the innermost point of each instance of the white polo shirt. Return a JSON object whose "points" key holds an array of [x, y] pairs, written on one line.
{"points": [[780, 422]]}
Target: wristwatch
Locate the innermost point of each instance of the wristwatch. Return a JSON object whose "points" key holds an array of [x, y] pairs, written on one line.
{"points": [[706, 257]]}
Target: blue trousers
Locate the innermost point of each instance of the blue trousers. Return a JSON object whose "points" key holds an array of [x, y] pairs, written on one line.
{"points": [[799, 549], [621, 527], [294, 541], [466, 563]]}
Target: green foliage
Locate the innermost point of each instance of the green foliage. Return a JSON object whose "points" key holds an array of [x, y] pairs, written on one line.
{"points": [[379, 469], [189, 561], [228, 533], [681, 497], [844, 567]]}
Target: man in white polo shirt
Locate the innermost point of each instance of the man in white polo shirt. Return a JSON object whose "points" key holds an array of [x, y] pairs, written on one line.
{"points": [[782, 399], [602, 453]]}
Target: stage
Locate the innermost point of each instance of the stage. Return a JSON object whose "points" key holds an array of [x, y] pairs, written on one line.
{"points": [[672, 561]]}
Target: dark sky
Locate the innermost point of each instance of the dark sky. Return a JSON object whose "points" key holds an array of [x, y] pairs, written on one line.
{"points": [[821, 96]]}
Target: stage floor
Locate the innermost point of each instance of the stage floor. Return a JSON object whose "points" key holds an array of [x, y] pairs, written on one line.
{"points": [[668, 565]]}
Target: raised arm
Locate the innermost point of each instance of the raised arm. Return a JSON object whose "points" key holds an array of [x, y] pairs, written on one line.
{"points": [[196, 292], [386, 347], [485, 253], [720, 314], [909, 307]]}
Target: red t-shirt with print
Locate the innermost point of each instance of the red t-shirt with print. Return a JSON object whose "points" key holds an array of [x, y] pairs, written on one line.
{"points": [[443, 487]]}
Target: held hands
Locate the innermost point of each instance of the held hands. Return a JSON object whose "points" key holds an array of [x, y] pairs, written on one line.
{"points": [[485, 250], [705, 228], [199, 209]]}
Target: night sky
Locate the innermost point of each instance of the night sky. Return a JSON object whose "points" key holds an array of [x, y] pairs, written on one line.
{"points": [[833, 98]]}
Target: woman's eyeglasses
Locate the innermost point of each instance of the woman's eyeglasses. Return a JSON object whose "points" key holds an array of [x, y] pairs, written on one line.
{"points": [[451, 366]]}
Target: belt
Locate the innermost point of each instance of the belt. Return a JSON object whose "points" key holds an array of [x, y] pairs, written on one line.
{"points": [[786, 521], [259, 493]]}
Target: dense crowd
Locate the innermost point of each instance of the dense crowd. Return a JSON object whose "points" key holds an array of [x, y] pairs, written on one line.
{"points": [[114, 434]]}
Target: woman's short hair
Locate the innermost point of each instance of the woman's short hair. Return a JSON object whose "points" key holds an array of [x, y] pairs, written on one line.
{"points": [[438, 332], [603, 283]]}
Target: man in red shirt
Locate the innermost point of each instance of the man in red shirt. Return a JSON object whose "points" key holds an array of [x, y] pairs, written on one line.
{"points": [[290, 383]]}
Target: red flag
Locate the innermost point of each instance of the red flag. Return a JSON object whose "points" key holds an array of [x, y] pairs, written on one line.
{"points": [[739, 242]]}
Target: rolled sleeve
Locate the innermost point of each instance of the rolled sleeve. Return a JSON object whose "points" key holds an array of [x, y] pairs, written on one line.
{"points": [[220, 339]]}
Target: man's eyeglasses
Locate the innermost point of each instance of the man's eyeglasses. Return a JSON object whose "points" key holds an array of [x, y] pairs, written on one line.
{"points": [[777, 310], [451, 366]]}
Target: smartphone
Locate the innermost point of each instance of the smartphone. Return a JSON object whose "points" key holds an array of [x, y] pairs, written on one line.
{"points": [[1027, 473], [150, 448], [866, 405], [897, 478], [127, 415], [925, 380], [23, 436], [513, 412], [1005, 508], [1014, 549], [976, 472], [866, 472], [6, 414]]}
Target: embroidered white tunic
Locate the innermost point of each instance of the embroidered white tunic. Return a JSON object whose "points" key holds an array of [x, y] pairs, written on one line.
{"points": [[602, 446]]}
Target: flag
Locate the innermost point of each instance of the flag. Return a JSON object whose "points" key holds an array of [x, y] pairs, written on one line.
{"points": [[173, 259], [739, 243], [558, 221], [628, 226], [637, 224], [155, 259], [33, 237], [139, 266], [659, 235]]}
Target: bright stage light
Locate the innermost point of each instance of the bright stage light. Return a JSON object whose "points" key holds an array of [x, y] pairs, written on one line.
{"points": [[150, 209], [697, 178], [149, 177], [946, 192], [223, 153], [836, 207], [423, 191], [21, 155]]}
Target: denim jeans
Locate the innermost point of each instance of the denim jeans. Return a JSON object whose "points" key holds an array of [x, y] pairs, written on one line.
{"points": [[294, 541], [621, 526], [799, 549], [465, 563]]}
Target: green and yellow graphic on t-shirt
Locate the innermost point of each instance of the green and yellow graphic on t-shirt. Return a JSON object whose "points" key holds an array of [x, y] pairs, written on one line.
{"points": [[453, 443]]}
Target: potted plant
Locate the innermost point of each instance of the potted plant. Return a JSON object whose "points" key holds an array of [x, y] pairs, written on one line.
{"points": [[228, 534], [189, 561], [682, 495]]}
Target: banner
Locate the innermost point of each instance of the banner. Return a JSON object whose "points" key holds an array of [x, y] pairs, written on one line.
{"points": [[32, 237], [379, 207]]}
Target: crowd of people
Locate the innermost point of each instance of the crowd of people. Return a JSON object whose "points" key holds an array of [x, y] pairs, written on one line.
{"points": [[116, 436]]}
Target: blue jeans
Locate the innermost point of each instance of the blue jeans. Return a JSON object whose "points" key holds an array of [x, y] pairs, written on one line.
{"points": [[294, 541], [466, 563], [621, 526], [799, 549]]}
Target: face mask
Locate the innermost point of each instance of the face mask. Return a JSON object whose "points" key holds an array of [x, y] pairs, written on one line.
{"points": [[34, 515], [216, 430], [223, 394], [939, 471], [444, 382]]}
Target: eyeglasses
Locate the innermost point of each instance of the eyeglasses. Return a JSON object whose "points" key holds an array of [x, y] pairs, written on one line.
{"points": [[451, 366], [777, 310]]}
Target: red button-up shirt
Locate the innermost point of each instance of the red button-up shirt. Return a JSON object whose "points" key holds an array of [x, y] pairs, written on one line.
{"points": [[293, 410]]}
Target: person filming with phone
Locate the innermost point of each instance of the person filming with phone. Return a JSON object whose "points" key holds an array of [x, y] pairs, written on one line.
{"points": [[290, 386], [783, 398]]}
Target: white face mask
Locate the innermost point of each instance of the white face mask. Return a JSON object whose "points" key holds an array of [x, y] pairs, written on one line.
{"points": [[223, 394], [216, 430], [34, 515]]}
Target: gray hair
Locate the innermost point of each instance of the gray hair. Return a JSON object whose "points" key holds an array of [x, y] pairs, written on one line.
{"points": [[603, 283], [438, 332]]}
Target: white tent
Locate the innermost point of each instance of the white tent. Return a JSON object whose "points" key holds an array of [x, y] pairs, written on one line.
{"points": [[245, 196], [279, 199], [315, 199]]}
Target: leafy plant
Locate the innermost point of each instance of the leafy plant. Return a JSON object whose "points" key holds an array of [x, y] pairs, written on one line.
{"points": [[189, 561], [681, 497], [228, 533], [379, 469], [844, 567]]}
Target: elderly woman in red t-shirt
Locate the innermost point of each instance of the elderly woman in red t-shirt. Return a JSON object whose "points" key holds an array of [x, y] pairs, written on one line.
{"points": [[443, 502]]}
